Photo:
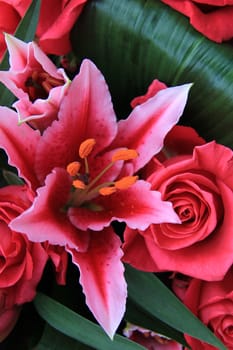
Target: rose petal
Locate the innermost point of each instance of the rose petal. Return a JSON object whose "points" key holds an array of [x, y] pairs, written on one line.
{"points": [[56, 20], [8, 319], [216, 25], [153, 89], [134, 242]]}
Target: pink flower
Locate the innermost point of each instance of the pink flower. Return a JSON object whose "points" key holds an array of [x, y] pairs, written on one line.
{"points": [[200, 187], [82, 169], [212, 303], [21, 262], [150, 340], [56, 20], [35, 81]]}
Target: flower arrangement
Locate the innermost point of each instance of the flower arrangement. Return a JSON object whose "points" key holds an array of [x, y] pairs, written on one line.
{"points": [[116, 175]]}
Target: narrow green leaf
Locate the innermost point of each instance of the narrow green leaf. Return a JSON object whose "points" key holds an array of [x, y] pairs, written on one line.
{"points": [[146, 290], [12, 178], [54, 340], [27, 27], [136, 315], [130, 43], [26, 32], [77, 327]]}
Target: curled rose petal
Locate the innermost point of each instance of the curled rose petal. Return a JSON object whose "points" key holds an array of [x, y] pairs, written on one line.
{"points": [[215, 24], [212, 303]]}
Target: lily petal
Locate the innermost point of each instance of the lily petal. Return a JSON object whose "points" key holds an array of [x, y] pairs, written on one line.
{"points": [[20, 144], [148, 124], [17, 52], [137, 206], [102, 278], [86, 112], [45, 220]]}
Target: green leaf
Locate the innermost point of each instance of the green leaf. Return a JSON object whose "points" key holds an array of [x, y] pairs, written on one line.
{"points": [[77, 327], [12, 178], [134, 41], [54, 340], [147, 291], [27, 27], [26, 32], [138, 316]]}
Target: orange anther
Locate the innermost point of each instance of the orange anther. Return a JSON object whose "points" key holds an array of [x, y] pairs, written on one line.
{"points": [[79, 184], [106, 191], [124, 154], [125, 182], [73, 168], [86, 148]]}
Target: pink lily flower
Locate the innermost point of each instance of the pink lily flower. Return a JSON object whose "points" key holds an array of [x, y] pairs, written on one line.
{"points": [[82, 168], [35, 81]]}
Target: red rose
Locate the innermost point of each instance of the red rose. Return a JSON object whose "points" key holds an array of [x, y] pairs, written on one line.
{"points": [[212, 303], [57, 18], [153, 88], [21, 262], [212, 18], [11, 13], [200, 188]]}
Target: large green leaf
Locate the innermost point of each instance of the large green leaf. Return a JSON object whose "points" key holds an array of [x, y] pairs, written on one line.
{"points": [[77, 327], [135, 41], [26, 32], [146, 290]]}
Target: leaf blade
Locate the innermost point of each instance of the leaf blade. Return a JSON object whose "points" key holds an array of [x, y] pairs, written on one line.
{"points": [[139, 48], [77, 327], [159, 301]]}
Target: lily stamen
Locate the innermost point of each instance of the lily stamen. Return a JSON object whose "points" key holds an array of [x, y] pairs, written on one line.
{"points": [[86, 148], [85, 191], [106, 191], [124, 154], [79, 184], [125, 182], [73, 168]]}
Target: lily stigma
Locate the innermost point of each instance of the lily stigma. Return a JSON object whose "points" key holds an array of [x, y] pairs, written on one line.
{"points": [[84, 189]]}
